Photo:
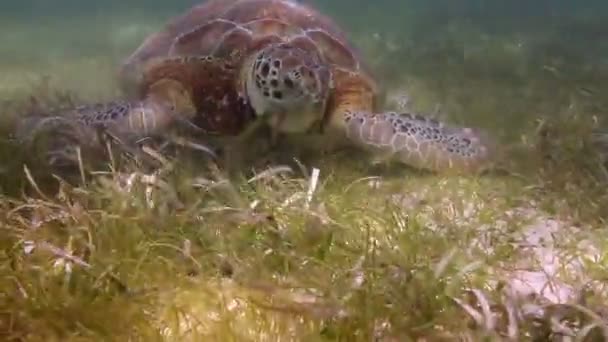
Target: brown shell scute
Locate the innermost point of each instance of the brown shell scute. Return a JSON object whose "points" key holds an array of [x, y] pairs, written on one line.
{"points": [[231, 31], [207, 27], [201, 40], [220, 108], [333, 50]]}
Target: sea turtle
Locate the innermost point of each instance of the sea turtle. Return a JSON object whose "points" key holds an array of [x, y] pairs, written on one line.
{"points": [[225, 63]]}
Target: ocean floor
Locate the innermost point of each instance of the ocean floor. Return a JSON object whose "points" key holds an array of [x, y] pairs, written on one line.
{"points": [[360, 252]]}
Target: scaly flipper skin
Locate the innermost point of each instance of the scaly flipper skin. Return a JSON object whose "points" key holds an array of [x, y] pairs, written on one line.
{"points": [[166, 104], [412, 139], [418, 141]]}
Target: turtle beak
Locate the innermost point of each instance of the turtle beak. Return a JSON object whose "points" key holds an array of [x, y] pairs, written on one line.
{"points": [[276, 121]]}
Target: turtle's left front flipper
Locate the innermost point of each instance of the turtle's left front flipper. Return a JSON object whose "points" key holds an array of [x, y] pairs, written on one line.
{"points": [[419, 141]]}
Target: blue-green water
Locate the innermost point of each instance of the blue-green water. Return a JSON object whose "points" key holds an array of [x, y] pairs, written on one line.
{"points": [[570, 23], [504, 66], [497, 63]]}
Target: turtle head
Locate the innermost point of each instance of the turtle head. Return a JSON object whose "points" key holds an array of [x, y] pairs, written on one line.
{"points": [[288, 86]]}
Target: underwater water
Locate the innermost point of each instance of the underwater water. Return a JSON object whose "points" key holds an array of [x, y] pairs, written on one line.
{"points": [[494, 63], [380, 254]]}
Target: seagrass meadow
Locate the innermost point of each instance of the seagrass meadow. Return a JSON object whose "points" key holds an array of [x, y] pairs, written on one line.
{"points": [[307, 242]]}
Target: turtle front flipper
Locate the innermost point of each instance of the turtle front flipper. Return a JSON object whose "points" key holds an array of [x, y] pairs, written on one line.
{"points": [[88, 127], [418, 141], [412, 139], [166, 104]]}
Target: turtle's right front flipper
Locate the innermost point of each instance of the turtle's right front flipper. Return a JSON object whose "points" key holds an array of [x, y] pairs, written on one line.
{"points": [[166, 104], [126, 122]]}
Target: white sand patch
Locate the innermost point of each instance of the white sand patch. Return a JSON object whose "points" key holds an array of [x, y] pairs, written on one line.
{"points": [[550, 256]]}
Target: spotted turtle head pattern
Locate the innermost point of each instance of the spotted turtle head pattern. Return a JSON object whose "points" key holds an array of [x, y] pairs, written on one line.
{"points": [[288, 84]]}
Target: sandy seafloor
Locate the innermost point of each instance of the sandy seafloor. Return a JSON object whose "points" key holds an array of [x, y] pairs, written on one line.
{"points": [[81, 53]]}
